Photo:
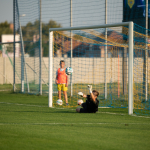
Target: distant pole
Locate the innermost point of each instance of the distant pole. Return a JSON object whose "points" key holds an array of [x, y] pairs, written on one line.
{"points": [[40, 52], [22, 53], [118, 78], [23, 63], [14, 45], [71, 46], [145, 64], [124, 71], [105, 50], [4, 70]]}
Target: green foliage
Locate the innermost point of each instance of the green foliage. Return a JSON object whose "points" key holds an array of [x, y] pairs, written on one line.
{"points": [[4, 24], [5, 29], [45, 29], [32, 29], [31, 48], [9, 48], [29, 30], [46, 48]]}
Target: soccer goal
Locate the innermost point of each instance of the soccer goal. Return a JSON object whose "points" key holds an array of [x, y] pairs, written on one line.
{"points": [[102, 56]]}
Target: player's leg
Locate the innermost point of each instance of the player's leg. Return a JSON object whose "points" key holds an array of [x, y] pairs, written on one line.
{"points": [[81, 110], [59, 94], [78, 110], [64, 88], [59, 90], [66, 97], [84, 105]]}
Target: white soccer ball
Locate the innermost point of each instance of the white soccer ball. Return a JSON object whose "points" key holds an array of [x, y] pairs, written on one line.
{"points": [[59, 102], [69, 70], [80, 101]]}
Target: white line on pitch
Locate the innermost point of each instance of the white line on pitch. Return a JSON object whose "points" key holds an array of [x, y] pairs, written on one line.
{"points": [[22, 104], [54, 123]]}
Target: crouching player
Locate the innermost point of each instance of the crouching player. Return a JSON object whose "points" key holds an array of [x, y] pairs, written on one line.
{"points": [[91, 104]]}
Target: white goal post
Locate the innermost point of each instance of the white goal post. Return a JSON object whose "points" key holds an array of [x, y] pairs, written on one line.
{"points": [[130, 64]]}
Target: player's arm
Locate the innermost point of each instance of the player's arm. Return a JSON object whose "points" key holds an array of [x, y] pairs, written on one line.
{"points": [[91, 93], [93, 97], [85, 96], [56, 80], [66, 81], [82, 95]]}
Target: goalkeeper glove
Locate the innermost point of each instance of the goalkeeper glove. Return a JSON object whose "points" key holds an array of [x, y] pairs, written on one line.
{"points": [[90, 88], [80, 93]]}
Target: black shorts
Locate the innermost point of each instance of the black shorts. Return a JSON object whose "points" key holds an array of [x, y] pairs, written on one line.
{"points": [[84, 109]]}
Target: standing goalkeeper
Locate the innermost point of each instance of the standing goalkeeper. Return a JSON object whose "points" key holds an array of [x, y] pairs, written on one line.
{"points": [[91, 104]]}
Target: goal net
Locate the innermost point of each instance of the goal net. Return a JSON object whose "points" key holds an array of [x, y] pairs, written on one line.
{"points": [[99, 55], [103, 56]]}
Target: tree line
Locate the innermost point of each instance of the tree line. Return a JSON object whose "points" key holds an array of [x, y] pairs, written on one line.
{"points": [[30, 30], [5, 29]]}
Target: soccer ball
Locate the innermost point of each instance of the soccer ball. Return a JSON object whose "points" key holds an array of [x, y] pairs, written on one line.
{"points": [[80, 101], [69, 70], [59, 102]]}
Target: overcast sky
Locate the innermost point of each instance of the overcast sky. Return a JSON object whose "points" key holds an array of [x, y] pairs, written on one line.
{"points": [[6, 10], [85, 12]]}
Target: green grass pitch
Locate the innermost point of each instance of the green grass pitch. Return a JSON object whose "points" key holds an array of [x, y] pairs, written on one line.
{"points": [[27, 123]]}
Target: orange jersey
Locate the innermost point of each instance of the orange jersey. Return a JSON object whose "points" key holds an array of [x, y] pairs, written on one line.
{"points": [[61, 76]]}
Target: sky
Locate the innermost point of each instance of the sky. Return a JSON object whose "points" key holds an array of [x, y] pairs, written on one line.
{"points": [[6, 10], [84, 12]]}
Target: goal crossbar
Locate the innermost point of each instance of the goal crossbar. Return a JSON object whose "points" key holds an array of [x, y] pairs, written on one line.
{"points": [[130, 64], [91, 27]]}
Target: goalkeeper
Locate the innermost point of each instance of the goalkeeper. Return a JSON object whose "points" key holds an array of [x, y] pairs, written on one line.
{"points": [[91, 104]]}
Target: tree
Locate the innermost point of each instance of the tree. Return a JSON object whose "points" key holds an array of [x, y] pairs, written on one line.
{"points": [[32, 29], [5, 29], [45, 29]]}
